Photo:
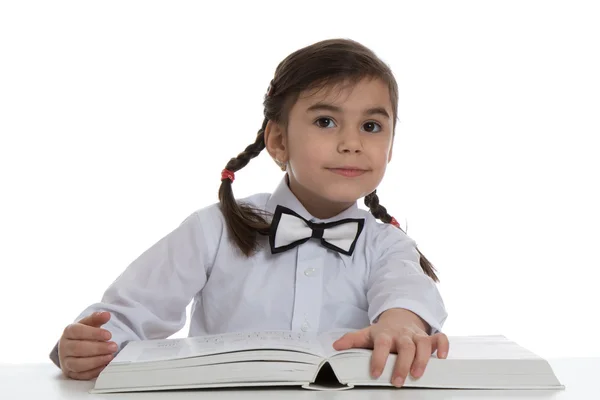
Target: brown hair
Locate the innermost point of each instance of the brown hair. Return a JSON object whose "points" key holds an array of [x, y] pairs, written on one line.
{"points": [[324, 63]]}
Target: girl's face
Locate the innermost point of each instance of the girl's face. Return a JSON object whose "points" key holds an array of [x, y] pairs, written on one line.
{"points": [[337, 145]]}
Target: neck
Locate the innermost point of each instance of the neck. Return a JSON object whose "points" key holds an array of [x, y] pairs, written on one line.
{"points": [[317, 206]]}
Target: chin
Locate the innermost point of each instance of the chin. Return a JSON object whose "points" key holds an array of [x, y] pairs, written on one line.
{"points": [[344, 194]]}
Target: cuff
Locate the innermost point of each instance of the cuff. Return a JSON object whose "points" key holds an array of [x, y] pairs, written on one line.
{"points": [[417, 308]]}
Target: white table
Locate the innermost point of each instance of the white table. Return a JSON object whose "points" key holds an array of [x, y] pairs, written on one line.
{"points": [[45, 381]]}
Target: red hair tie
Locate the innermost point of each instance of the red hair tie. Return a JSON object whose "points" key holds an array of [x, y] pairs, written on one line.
{"points": [[227, 174], [394, 222]]}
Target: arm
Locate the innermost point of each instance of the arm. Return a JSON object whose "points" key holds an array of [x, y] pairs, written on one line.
{"points": [[149, 299], [405, 309], [398, 288]]}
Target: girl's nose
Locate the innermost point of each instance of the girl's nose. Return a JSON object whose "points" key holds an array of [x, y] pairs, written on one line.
{"points": [[350, 142]]}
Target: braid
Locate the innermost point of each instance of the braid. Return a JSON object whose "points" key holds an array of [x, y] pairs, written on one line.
{"points": [[251, 151], [243, 221], [380, 212]]}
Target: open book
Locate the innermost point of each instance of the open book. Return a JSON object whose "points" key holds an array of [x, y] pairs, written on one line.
{"points": [[283, 358]]}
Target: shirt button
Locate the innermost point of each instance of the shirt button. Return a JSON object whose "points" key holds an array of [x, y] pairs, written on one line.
{"points": [[304, 327], [309, 271]]}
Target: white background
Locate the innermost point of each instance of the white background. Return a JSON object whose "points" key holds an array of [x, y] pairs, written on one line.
{"points": [[116, 119]]}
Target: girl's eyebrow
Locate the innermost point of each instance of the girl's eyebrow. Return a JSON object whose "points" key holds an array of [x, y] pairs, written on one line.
{"points": [[330, 107]]}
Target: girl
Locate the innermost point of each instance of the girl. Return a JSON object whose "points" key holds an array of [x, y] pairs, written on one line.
{"points": [[304, 257]]}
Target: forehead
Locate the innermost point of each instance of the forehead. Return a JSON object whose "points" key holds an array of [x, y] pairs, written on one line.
{"points": [[367, 92]]}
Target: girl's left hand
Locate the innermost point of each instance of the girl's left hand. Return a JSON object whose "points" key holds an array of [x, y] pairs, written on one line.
{"points": [[413, 345]]}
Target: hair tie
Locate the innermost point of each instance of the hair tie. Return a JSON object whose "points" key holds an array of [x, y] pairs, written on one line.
{"points": [[227, 174], [394, 222]]}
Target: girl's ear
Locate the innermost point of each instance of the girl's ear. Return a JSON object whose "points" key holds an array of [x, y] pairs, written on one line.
{"points": [[390, 153], [276, 143]]}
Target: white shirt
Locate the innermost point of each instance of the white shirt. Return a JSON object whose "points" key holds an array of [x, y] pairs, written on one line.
{"points": [[308, 288]]}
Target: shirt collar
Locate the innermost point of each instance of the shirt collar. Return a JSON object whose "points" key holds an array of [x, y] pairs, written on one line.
{"points": [[284, 196]]}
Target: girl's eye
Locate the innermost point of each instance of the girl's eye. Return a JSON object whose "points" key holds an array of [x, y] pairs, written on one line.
{"points": [[324, 122], [372, 127]]}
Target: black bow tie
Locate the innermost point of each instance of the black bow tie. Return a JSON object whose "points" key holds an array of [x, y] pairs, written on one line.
{"points": [[288, 230]]}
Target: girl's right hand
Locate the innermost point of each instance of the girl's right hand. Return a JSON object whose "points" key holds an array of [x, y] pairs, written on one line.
{"points": [[84, 348]]}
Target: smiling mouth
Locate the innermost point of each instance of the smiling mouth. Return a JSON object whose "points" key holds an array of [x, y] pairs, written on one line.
{"points": [[348, 172]]}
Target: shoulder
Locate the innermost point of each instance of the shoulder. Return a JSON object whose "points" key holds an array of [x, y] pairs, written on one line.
{"points": [[382, 238], [258, 200], [211, 217], [205, 228]]}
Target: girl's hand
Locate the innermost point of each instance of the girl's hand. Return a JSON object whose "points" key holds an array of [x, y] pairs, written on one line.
{"points": [[410, 341], [84, 348]]}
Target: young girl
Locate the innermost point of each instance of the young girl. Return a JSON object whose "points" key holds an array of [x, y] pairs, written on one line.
{"points": [[304, 258]]}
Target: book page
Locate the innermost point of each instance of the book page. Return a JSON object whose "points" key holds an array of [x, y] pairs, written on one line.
{"points": [[483, 347], [170, 349], [487, 347]]}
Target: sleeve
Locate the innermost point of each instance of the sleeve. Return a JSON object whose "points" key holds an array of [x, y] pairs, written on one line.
{"points": [[149, 299], [397, 280]]}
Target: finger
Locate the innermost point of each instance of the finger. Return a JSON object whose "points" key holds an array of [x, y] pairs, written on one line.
{"points": [[96, 319], [80, 331], [406, 354], [87, 348], [441, 344], [357, 339], [87, 375], [83, 364], [381, 350], [422, 354]]}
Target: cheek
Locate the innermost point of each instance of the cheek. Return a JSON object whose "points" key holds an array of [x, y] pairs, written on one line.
{"points": [[380, 155], [307, 153]]}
